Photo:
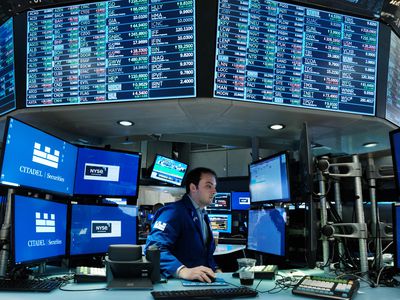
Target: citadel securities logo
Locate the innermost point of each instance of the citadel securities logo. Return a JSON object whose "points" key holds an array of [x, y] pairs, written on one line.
{"points": [[44, 157], [105, 229], [101, 172], [45, 222]]}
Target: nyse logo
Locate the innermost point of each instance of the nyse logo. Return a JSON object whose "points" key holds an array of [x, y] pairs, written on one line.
{"points": [[101, 227], [101, 172], [244, 200], [105, 229], [96, 171], [45, 222], [45, 157]]}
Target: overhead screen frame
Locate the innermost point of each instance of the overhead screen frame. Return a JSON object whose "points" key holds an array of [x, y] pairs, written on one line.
{"points": [[130, 198], [179, 82], [289, 191], [11, 104], [13, 232], [4, 149]]}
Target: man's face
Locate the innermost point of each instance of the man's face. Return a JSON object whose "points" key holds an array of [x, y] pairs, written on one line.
{"points": [[203, 194]]}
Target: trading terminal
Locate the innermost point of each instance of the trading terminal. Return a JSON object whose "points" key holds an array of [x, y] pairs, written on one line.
{"points": [[105, 106]]}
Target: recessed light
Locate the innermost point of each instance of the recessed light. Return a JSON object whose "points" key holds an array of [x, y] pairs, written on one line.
{"points": [[276, 126], [125, 123], [370, 145]]}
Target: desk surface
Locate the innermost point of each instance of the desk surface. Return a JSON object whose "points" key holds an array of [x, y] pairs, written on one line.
{"points": [[87, 292], [226, 249]]}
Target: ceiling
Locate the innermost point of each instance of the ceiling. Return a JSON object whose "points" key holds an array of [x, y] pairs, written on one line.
{"points": [[209, 121]]}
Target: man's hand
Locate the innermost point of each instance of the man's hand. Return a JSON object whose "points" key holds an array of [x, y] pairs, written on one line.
{"points": [[200, 273]]}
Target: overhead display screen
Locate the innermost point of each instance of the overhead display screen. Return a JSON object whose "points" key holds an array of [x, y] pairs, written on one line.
{"points": [[279, 53], [393, 93], [7, 80], [110, 52]]}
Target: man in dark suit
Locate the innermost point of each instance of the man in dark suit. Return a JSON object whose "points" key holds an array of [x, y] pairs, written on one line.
{"points": [[182, 231]]}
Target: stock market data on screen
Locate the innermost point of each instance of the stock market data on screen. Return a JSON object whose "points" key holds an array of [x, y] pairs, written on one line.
{"points": [[7, 80], [393, 93], [111, 51], [279, 53]]}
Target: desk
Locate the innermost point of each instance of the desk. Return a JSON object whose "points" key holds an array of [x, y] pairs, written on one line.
{"points": [[364, 293], [226, 249]]}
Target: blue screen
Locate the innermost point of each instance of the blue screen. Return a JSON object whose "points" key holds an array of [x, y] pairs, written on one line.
{"points": [[168, 170], [33, 158], [39, 229], [7, 76], [107, 173], [269, 180], [221, 222], [267, 231], [240, 200], [94, 228]]}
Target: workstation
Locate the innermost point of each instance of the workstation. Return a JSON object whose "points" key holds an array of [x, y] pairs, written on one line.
{"points": [[106, 106]]}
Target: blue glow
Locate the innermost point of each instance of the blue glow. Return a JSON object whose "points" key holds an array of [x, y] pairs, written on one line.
{"points": [[94, 228], [106, 173], [39, 229], [35, 159]]}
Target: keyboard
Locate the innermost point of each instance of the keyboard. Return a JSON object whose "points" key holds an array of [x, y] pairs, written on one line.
{"points": [[236, 292], [24, 285], [326, 287]]}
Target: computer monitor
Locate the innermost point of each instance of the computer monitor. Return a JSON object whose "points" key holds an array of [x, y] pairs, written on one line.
{"points": [[269, 179], [240, 200], [221, 222], [109, 173], [38, 230], [35, 159], [267, 231], [7, 68], [221, 201], [111, 51], [95, 227], [168, 170], [392, 112], [394, 137]]}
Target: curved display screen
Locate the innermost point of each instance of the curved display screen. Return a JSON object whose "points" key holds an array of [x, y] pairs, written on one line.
{"points": [[279, 53]]}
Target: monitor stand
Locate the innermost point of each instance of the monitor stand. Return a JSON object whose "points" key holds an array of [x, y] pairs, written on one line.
{"points": [[130, 284]]}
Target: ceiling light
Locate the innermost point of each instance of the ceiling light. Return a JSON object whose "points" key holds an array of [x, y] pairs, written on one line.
{"points": [[370, 145], [276, 126], [125, 123]]}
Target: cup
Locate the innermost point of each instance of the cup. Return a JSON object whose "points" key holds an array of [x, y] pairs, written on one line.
{"points": [[246, 270], [216, 237]]}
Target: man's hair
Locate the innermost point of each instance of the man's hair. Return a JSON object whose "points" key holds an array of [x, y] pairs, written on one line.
{"points": [[194, 176]]}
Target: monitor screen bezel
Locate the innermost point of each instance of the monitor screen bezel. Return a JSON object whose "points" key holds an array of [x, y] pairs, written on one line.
{"points": [[130, 198], [285, 239], [12, 235], [164, 181], [69, 228], [288, 177], [3, 150], [396, 241], [395, 158]]}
